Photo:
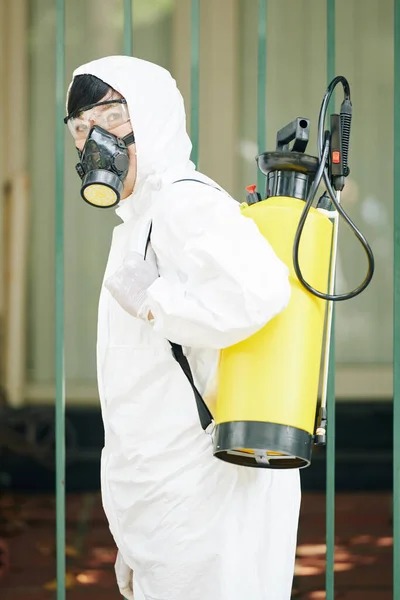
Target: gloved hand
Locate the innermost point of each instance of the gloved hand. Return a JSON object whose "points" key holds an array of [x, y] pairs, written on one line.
{"points": [[124, 575], [130, 282]]}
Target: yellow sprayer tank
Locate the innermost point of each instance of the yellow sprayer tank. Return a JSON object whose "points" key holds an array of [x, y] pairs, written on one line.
{"points": [[268, 383]]}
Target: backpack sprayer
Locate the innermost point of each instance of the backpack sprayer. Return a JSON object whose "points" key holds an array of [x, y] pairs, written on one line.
{"points": [[268, 384]]}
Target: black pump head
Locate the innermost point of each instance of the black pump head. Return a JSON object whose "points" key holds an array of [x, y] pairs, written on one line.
{"points": [[289, 172]]}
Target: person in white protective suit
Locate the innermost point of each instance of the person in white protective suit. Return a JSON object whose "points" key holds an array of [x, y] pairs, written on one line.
{"points": [[187, 525]]}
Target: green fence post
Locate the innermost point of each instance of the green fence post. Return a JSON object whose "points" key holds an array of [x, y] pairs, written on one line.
{"points": [[396, 309], [128, 28], [59, 299], [194, 78], [261, 87], [331, 416]]}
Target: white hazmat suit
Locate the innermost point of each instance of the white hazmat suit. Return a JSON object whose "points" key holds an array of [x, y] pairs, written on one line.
{"points": [[190, 526]]}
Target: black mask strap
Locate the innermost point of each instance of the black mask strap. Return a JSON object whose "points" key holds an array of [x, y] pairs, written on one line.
{"points": [[129, 139]]}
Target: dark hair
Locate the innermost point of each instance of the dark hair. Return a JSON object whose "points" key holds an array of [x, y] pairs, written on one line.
{"points": [[85, 90]]}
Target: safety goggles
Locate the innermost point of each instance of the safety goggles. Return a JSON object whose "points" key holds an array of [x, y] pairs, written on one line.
{"points": [[108, 114]]}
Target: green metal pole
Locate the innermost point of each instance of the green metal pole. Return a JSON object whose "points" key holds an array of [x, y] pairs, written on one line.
{"points": [[396, 310], [261, 87], [194, 78], [331, 413], [59, 299], [128, 28]]}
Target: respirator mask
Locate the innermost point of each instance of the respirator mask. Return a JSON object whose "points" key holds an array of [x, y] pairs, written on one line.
{"points": [[104, 160]]}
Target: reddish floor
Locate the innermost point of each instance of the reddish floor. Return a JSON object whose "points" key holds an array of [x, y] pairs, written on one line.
{"points": [[363, 569]]}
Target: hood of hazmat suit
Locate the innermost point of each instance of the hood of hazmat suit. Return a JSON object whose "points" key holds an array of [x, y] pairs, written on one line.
{"points": [[189, 525]]}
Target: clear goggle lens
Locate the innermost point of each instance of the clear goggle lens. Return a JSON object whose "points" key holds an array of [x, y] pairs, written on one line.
{"points": [[109, 116]]}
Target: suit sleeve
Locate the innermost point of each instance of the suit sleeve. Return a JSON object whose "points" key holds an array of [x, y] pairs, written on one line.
{"points": [[228, 281]]}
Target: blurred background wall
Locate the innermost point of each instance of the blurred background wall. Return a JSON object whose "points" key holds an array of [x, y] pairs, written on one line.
{"points": [[296, 81]]}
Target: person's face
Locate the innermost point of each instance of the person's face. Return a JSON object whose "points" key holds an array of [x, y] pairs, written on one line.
{"points": [[120, 131]]}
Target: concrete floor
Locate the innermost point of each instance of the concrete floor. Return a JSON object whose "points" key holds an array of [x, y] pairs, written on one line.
{"points": [[363, 568]]}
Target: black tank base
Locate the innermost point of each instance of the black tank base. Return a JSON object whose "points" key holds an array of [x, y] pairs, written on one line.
{"points": [[263, 445]]}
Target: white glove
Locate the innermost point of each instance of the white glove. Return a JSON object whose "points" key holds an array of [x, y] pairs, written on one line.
{"points": [[124, 575], [130, 282]]}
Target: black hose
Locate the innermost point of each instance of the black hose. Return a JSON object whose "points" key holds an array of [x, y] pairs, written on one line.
{"points": [[323, 152]]}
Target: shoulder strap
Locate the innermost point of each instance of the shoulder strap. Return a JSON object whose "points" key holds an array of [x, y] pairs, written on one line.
{"points": [[205, 416], [198, 181]]}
